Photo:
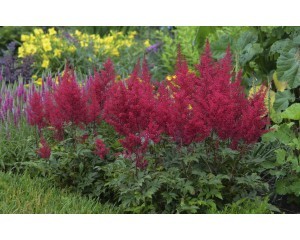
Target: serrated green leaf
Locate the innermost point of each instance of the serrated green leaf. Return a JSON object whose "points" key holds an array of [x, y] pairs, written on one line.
{"points": [[282, 187], [280, 156], [282, 100], [292, 112], [288, 67], [283, 134], [281, 46], [245, 39], [249, 52]]}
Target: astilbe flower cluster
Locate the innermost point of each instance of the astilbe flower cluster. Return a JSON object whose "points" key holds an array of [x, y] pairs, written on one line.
{"points": [[213, 102], [132, 110], [180, 115], [36, 111], [188, 107], [101, 150], [225, 107], [67, 103], [44, 151], [97, 91]]}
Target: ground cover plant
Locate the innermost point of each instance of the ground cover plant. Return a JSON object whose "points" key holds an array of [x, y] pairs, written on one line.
{"points": [[205, 138], [22, 195]]}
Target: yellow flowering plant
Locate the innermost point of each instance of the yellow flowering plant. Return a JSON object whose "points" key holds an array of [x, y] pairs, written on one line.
{"points": [[51, 49]]}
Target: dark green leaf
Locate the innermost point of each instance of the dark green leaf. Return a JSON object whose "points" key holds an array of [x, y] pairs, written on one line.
{"points": [[288, 67], [282, 100]]}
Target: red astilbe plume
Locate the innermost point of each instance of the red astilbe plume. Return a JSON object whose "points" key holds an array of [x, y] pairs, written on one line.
{"points": [[226, 107], [35, 110], [253, 119], [69, 100], [44, 151], [101, 82], [93, 106], [97, 89], [101, 150], [52, 116], [131, 110], [184, 121]]}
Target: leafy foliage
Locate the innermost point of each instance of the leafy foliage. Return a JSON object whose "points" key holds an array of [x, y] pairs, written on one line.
{"points": [[286, 166], [20, 194]]}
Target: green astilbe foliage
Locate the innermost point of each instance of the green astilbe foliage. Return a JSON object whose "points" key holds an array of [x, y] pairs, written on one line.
{"points": [[285, 167], [185, 180]]}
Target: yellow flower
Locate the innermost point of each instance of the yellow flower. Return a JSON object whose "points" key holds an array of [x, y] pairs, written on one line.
{"points": [[29, 49], [147, 43], [24, 38], [84, 44], [38, 31], [108, 39], [72, 49], [78, 33], [46, 45], [52, 31], [21, 52], [115, 52], [169, 78], [34, 77], [132, 34], [57, 53], [118, 78], [45, 63], [39, 81], [56, 79], [190, 107]]}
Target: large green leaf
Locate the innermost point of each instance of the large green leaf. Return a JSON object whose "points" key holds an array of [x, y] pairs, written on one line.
{"points": [[282, 100], [250, 50], [288, 67], [245, 39], [219, 47], [245, 46], [283, 133], [281, 46], [292, 112]]}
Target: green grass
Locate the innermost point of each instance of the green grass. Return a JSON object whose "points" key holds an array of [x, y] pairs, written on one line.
{"points": [[21, 194]]}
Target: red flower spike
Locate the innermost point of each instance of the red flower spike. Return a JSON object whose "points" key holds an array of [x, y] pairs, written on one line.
{"points": [[101, 150], [35, 110], [44, 151]]}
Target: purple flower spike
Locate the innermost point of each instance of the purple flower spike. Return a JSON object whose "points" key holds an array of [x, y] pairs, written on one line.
{"points": [[20, 90], [154, 47]]}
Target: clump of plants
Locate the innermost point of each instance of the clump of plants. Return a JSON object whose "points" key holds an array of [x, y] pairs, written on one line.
{"points": [[186, 144], [85, 51]]}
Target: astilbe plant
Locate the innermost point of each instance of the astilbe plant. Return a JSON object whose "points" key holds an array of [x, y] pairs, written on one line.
{"points": [[44, 151], [66, 103], [101, 150], [227, 111], [195, 107], [97, 89], [132, 110], [179, 114]]}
